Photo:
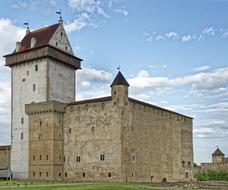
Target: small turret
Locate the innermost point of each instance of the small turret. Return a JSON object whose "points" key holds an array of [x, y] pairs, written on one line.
{"points": [[217, 156], [120, 90]]}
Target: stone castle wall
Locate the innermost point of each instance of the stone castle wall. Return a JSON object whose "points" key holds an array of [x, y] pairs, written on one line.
{"points": [[222, 166], [4, 157], [114, 138], [91, 130], [153, 144], [45, 140]]}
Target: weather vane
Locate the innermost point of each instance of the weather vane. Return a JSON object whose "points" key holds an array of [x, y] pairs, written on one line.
{"points": [[60, 14], [118, 68], [27, 24]]}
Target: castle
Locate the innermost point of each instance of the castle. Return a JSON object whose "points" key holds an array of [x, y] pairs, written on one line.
{"points": [[219, 162], [114, 138]]}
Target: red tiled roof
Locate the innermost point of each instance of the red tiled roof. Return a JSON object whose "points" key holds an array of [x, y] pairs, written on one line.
{"points": [[107, 98], [5, 147], [42, 36]]}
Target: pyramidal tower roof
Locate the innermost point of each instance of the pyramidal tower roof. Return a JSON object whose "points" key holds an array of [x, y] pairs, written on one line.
{"points": [[120, 80], [218, 152]]}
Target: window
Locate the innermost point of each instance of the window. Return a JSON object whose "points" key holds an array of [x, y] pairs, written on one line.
{"points": [[40, 123], [40, 174], [34, 174], [70, 130], [102, 157], [27, 73], [36, 67], [186, 174], [83, 174], [78, 159], [109, 175], [33, 157], [59, 157], [189, 164], [40, 157], [46, 157], [56, 44], [22, 120], [22, 136], [66, 48], [183, 163], [65, 174], [34, 87], [61, 34], [59, 174], [64, 158], [39, 137], [93, 129], [133, 157], [46, 174]]}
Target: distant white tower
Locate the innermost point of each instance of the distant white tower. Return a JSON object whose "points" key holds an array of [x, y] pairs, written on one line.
{"points": [[42, 68]]}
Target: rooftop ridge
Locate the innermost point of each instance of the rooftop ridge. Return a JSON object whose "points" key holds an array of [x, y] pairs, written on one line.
{"points": [[101, 99], [151, 105]]}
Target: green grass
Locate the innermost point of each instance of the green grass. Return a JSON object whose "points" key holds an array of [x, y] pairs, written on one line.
{"points": [[211, 175], [20, 185], [4, 185]]}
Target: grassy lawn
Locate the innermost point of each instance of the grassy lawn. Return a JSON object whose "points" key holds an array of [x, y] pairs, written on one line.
{"points": [[4, 185], [21, 185]]}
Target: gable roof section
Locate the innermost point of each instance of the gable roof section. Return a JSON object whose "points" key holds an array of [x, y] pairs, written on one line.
{"points": [[42, 36], [218, 152], [119, 80]]}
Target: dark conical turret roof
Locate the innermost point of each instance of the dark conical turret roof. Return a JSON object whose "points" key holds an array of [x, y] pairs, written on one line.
{"points": [[218, 152], [119, 80]]}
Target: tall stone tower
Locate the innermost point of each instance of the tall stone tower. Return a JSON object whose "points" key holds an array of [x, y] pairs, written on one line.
{"points": [[42, 69], [217, 156]]}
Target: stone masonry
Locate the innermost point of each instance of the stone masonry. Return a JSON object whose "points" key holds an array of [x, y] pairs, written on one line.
{"points": [[114, 138]]}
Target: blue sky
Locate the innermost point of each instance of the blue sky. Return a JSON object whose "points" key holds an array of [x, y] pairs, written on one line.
{"points": [[172, 52]]}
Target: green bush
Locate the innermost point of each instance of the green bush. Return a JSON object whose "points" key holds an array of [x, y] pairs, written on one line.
{"points": [[211, 175]]}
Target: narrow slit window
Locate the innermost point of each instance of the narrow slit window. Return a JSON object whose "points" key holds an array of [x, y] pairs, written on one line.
{"points": [[36, 67], [22, 136]]}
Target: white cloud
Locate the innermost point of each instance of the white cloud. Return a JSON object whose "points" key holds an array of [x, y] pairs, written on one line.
{"points": [[31, 4], [5, 119], [209, 31], [172, 35], [93, 83], [207, 83], [202, 68], [122, 12], [159, 37], [9, 34], [82, 21], [88, 6], [93, 75], [186, 38]]}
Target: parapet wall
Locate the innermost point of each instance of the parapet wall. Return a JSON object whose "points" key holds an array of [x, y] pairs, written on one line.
{"points": [[223, 166]]}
